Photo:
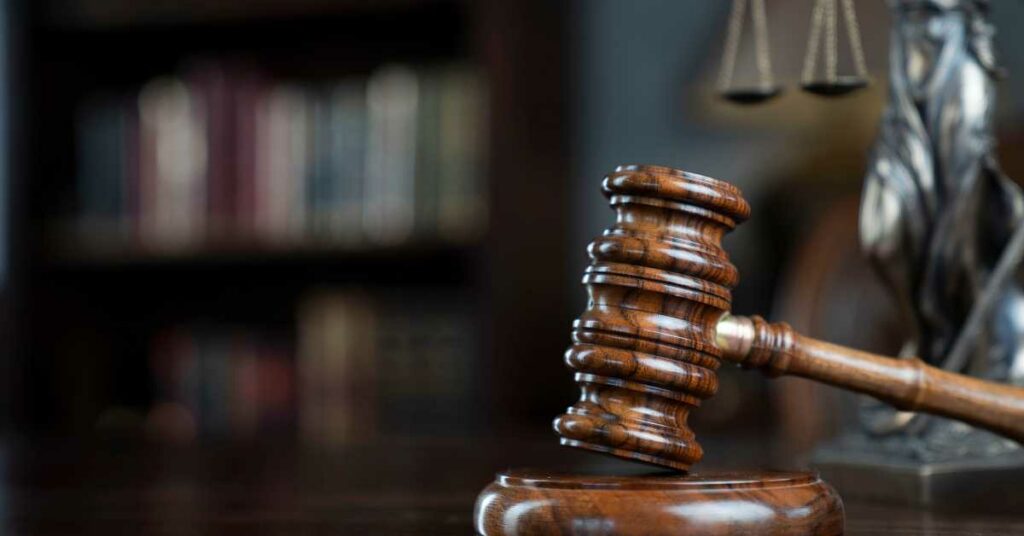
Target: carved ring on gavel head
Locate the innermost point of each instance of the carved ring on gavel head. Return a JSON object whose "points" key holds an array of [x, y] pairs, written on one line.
{"points": [[657, 325]]}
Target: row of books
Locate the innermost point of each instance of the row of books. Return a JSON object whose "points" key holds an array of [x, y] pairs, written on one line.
{"points": [[385, 364], [217, 381], [220, 155], [361, 366]]}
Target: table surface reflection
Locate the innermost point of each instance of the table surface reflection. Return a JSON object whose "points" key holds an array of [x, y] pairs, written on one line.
{"points": [[393, 487]]}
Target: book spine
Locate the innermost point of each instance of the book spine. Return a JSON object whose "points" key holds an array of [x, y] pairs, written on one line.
{"points": [[213, 86], [427, 353], [463, 206], [280, 135], [244, 401], [347, 159], [391, 154], [300, 159], [247, 96], [310, 367], [321, 192], [337, 364], [428, 137], [172, 165]]}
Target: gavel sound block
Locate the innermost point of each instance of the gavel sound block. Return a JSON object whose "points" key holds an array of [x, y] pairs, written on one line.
{"points": [[645, 352], [645, 355]]}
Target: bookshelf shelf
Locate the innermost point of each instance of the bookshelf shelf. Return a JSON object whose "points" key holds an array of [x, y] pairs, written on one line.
{"points": [[283, 256], [320, 40], [110, 14], [480, 232]]}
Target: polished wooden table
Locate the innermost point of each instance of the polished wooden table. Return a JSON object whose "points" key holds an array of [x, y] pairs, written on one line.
{"points": [[394, 488]]}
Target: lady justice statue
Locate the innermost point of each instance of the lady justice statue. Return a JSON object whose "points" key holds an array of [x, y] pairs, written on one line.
{"points": [[939, 221]]}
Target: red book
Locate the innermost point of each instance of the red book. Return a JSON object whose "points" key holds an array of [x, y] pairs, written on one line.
{"points": [[248, 96], [276, 391], [211, 82]]}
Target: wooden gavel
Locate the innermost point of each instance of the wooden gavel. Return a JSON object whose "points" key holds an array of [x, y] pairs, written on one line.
{"points": [[657, 326]]}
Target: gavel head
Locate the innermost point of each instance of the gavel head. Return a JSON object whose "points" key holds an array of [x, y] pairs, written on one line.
{"points": [[644, 349]]}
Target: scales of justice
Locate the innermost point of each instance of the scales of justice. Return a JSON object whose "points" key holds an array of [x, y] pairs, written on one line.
{"points": [[939, 221]]}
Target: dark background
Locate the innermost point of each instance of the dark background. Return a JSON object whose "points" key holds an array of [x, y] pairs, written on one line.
{"points": [[573, 89]]}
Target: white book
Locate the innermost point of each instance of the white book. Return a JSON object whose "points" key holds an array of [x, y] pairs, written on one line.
{"points": [[274, 204], [173, 167]]}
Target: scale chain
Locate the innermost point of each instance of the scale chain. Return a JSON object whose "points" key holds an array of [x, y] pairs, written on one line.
{"points": [[831, 41], [853, 31], [732, 42], [764, 62], [811, 56]]}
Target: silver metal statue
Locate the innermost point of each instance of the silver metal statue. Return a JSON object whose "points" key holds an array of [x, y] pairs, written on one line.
{"points": [[939, 219]]}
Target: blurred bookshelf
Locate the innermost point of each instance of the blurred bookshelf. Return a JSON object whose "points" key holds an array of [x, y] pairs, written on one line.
{"points": [[320, 221], [215, 160]]}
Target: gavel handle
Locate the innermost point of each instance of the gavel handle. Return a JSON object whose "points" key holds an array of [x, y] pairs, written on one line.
{"points": [[908, 384]]}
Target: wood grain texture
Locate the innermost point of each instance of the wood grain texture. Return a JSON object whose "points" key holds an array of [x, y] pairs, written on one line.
{"points": [[549, 504], [421, 487], [908, 384], [643, 350], [646, 349]]}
